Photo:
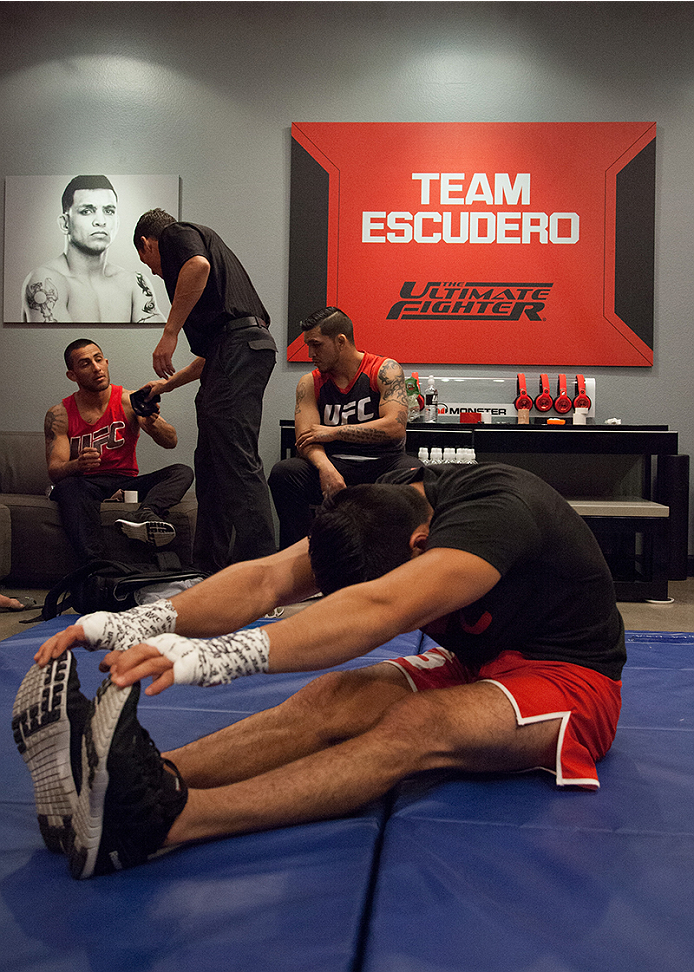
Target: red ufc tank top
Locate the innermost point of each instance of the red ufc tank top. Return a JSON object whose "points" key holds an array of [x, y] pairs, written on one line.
{"points": [[110, 434]]}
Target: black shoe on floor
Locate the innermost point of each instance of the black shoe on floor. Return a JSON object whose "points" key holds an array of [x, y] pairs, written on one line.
{"points": [[146, 526], [48, 720], [129, 799]]}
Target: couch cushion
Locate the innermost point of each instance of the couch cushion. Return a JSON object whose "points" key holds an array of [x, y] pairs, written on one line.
{"points": [[42, 553], [23, 463], [5, 541]]}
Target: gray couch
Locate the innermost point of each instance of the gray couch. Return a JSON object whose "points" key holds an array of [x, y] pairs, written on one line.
{"points": [[34, 548]]}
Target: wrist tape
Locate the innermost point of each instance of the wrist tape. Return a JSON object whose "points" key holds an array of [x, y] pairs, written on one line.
{"points": [[198, 661], [118, 632]]}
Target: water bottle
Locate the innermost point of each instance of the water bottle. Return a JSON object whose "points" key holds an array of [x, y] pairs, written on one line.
{"points": [[431, 401], [423, 455], [413, 398], [466, 457]]}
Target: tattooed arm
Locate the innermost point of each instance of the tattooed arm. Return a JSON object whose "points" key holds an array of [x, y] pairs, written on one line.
{"points": [[44, 297], [144, 303], [389, 426], [392, 408], [58, 460], [307, 419]]}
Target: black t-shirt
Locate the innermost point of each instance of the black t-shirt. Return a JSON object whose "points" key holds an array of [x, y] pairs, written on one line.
{"points": [[555, 600], [228, 294]]}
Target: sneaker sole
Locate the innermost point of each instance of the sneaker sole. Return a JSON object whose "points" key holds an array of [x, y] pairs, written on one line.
{"points": [[87, 822], [41, 729], [275, 614], [156, 532]]}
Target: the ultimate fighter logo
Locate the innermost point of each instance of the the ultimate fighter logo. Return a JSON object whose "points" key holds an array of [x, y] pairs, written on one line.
{"points": [[470, 301]]}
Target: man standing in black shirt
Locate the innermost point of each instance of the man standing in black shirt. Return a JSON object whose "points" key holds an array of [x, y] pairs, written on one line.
{"points": [[214, 302]]}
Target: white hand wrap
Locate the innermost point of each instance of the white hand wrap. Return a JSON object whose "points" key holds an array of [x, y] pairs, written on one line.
{"points": [[198, 661], [118, 632]]}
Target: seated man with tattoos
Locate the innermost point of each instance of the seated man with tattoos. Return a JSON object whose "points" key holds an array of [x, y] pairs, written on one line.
{"points": [[350, 419], [81, 285], [91, 438]]}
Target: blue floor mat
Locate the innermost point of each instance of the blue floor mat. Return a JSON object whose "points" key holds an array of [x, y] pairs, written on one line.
{"points": [[290, 900], [510, 874], [458, 875]]}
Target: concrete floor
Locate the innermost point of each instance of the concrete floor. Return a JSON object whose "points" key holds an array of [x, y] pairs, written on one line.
{"points": [[638, 616]]}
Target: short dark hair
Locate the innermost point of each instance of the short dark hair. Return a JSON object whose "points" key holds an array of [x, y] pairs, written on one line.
{"points": [[331, 321], [84, 182], [75, 346], [151, 224], [363, 532]]}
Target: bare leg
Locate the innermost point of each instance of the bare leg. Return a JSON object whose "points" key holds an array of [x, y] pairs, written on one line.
{"points": [[470, 728], [332, 708]]}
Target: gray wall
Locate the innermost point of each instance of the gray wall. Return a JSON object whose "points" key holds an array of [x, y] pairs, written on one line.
{"points": [[208, 91]]}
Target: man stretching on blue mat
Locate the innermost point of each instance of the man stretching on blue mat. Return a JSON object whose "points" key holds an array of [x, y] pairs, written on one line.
{"points": [[488, 560]]}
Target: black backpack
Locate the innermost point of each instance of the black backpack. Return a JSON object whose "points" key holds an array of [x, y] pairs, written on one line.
{"points": [[108, 585]]}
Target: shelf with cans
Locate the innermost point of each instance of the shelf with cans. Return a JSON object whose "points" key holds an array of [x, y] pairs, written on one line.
{"points": [[523, 399]]}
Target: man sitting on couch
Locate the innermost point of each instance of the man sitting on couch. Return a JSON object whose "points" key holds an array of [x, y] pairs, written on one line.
{"points": [[91, 438]]}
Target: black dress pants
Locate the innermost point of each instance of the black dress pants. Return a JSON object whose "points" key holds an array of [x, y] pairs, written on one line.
{"points": [[295, 487], [234, 512]]}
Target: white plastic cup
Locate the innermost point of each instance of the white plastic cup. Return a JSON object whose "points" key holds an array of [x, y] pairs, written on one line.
{"points": [[580, 416], [130, 496]]}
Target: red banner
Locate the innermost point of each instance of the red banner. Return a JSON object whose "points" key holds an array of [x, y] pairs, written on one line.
{"points": [[489, 243]]}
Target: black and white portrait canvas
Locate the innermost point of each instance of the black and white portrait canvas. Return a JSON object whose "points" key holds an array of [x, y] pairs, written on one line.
{"points": [[69, 253]]}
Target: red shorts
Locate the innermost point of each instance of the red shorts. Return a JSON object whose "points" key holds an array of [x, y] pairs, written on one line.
{"points": [[586, 702]]}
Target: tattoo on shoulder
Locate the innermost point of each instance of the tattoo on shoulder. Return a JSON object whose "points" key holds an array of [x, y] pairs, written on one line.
{"points": [[391, 377], [42, 296], [48, 424], [300, 396], [53, 425]]}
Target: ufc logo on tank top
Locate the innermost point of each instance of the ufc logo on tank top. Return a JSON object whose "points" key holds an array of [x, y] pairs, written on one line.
{"points": [[107, 437], [341, 414]]}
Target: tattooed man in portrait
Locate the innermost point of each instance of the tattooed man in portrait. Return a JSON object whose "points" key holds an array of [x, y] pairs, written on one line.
{"points": [[81, 286]]}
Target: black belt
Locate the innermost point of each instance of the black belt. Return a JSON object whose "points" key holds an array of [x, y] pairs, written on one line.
{"points": [[238, 322]]}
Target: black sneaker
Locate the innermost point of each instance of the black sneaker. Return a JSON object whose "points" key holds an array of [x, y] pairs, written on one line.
{"points": [[129, 799], [48, 719], [146, 526]]}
